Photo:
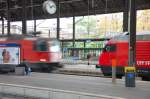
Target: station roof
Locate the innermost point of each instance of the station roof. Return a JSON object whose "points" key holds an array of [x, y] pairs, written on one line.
{"points": [[68, 8]]}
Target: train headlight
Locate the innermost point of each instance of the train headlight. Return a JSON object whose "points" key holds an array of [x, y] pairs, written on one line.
{"points": [[43, 60]]}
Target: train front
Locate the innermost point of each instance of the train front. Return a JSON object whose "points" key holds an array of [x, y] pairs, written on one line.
{"points": [[55, 54], [48, 55], [105, 58]]}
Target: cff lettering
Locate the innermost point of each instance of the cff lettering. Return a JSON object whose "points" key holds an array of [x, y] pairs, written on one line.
{"points": [[145, 63]]}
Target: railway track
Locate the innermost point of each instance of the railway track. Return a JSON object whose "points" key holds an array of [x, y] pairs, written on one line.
{"points": [[85, 72], [81, 72]]}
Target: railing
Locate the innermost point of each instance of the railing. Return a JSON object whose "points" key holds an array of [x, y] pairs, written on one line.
{"points": [[48, 93], [72, 61], [81, 53]]}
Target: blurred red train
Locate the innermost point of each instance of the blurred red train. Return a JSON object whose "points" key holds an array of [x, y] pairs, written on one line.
{"points": [[117, 48], [41, 54]]}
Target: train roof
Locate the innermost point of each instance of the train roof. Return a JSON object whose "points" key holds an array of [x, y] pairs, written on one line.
{"points": [[23, 37], [125, 36]]}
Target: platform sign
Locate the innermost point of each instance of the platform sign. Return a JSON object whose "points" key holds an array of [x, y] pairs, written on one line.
{"points": [[10, 53]]}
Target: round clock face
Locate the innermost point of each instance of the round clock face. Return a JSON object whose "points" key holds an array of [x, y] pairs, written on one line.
{"points": [[49, 6]]}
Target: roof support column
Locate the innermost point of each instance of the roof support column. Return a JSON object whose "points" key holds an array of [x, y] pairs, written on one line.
{"points": [[8, 17], [2, 25], [74, 31], [125, 21], [24, 17], [84, 49], [34, 25], [58, 19], [130, 71], [132, 32], [125, 17]]}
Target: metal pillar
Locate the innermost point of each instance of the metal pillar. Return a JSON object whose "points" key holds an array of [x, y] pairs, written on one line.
{"points": [[73, 31], [8, 17], [63, 52], [84, 44], [114, 64], [125, 17], [49, 33], [24, 16], [84, 49], [125, 21], [58, 19], [130, 77], [35, 25], [132, 31], [2, 25]]}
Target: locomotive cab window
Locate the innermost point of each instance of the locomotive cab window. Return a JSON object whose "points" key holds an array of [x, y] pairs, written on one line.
{"points": [[109, 48], [143, 37], [41, 46]]}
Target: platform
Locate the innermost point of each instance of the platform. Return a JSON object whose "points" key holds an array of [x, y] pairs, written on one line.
{"points": [[86, 84], [80, 69]]}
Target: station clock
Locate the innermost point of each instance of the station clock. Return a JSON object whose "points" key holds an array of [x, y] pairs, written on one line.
{"points": [[49, 6]]}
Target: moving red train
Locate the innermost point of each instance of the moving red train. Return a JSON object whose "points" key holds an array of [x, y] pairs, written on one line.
{"points": [[41, 54], [117, 48]]}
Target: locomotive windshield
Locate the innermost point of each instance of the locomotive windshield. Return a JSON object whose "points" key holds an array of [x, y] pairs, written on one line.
{"points": [[47, 45], [121, 38], [41, 45], [109, 48]]}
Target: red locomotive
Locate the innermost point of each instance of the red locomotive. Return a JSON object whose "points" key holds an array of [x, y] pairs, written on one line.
{"points": [[117, 48], [40, 54]]}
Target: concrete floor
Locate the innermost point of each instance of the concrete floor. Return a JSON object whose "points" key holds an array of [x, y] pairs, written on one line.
{"points": [[96, 85]]}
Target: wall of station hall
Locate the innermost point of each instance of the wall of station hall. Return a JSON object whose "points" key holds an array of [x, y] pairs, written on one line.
{"points": [[96, 26]]}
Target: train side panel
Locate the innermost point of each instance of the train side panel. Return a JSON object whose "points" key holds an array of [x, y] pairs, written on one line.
{"points": [[143, 59], [39, 60], [121, 56], [28, 53], [105, 58]]}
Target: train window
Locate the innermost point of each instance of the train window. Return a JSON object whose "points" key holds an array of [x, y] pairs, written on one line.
{"points": [[41, 46], [121, 38], [146, 37], [143, 37], [139, 37], [110, 48]]}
